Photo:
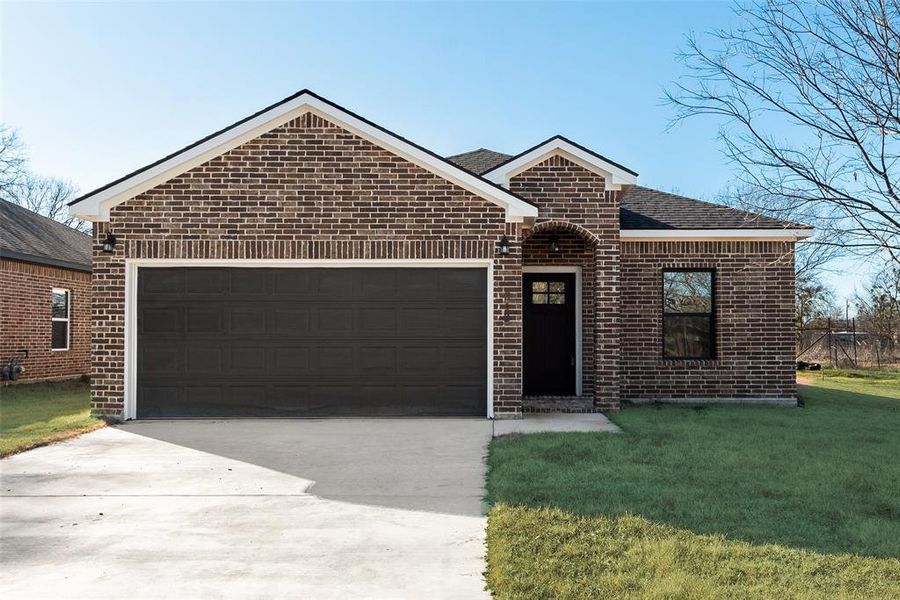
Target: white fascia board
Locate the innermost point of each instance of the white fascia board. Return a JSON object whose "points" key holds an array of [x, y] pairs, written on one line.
{"points": [[615, 176], [675, 235], [97, 206]]}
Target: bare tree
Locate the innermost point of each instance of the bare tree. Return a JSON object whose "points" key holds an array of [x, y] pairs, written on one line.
{"points": [[879, 305], [12, 159], [47, 196], [808, 96]]}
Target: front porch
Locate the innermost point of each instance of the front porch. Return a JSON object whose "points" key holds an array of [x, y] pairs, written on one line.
{"points": [[569, 321]]}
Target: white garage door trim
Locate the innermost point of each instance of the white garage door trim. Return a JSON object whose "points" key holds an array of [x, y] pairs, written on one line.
{"points": [[131, 271]]}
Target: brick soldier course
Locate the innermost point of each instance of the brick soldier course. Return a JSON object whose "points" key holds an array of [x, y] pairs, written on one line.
{"points": [[322, 184]]}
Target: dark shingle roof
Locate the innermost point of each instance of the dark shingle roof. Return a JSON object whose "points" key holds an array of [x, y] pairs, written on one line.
{"points": [[645, 208], [479, 161], [28, 236]]}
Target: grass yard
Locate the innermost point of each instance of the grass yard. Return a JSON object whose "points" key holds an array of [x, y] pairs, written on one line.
{"points": [[707, 502], [36, 414]]}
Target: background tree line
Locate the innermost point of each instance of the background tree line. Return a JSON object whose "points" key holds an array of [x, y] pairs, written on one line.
{"points": [[48, 196]]}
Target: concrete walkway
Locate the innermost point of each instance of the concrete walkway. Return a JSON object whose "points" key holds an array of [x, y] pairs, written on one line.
{"points": [[317, 509]]}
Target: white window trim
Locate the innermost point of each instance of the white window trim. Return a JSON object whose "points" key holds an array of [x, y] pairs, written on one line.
{"points": [[68, 319], [131, 279], [579, 358]]}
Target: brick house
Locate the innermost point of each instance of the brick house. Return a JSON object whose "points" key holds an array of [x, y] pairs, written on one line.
{"points": [[305, 261], [45, 295]]}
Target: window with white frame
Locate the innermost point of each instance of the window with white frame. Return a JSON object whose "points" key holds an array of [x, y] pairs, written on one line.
{"points": [[61, 303]]}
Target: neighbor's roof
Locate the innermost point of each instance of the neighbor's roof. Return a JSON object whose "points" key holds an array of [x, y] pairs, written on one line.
{"points": [[30, 237], [645, 208]]}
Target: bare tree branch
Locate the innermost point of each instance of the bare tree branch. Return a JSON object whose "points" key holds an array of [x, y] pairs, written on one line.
{"points": [[47, 196], [808, 99]]}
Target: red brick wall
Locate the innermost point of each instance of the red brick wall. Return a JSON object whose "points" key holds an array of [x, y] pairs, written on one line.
{"points": [[25, 313], [308, 189], [754, 297], [567, 192]]}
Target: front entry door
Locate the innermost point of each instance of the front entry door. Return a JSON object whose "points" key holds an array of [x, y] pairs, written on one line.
{"points": [[549, 334]]}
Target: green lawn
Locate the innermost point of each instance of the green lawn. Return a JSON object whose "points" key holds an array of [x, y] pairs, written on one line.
{"points": [[818, 483], [36, 414]]}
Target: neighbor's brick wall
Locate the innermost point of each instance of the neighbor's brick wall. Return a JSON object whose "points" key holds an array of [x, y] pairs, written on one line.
{"points": [[25, 313], [754, 294], [308, 189], [566, 192]]}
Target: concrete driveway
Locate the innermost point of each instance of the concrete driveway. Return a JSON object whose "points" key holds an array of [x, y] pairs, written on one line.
{"points": [[316, 509]]}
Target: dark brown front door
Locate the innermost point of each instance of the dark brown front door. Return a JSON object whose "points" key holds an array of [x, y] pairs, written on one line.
{"points": [[311, 342], [549, 334]]}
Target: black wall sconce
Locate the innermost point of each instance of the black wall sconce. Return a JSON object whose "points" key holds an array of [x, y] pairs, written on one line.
{"points": [[554, 245], [109, 243], [503, 246]]}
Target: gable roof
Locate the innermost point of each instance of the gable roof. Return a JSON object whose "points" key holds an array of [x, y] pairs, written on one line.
{"points": [[645, 208], [95, 205], [645, 213], [616, 175], [30, 237], [479, 161]]}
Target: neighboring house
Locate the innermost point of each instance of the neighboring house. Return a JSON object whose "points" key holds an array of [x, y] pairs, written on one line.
{"points": [[45, 295], [307, 262]]}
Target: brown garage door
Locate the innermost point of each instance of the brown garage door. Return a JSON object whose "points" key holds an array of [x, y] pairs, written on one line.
{"points": [[310, 342]]}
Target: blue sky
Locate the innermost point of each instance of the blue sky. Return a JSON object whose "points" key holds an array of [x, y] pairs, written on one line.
{"points": [[97, 90]]}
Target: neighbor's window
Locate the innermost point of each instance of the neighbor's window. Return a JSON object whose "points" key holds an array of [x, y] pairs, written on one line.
{"points": [[60, 301], [688, 318]]}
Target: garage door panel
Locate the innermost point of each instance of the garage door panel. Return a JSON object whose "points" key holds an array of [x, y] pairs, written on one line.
{"points": [[422, 284], [160, 320], [207, 319], [247, 320], [274, 342], [377, 358], [161, 361], [291, 321], [468, 359], [290, 360], [334, 359], [459, 284], [292, 281], [334, 320], [253, 282], [205, 281], [380, 320], [247, 359], [378, 284], [161, 281], [203, 359]]}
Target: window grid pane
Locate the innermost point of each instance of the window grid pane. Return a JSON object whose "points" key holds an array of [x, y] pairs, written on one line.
{"points": [[60, 335], [60, 305], [688, 320], [539, 298]]}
